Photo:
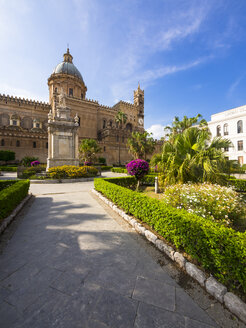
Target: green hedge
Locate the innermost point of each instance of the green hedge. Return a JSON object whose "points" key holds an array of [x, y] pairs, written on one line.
{"points": [[8, 168], [118, 170], [6, 183], [106, 168], [11, 196], [239, 184], [218, 249], [7, 155]]}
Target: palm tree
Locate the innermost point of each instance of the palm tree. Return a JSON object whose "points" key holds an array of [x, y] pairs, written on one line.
{"points": [[180, 126], [141, 144], [88, 149], [193, 156], [120, 119]]}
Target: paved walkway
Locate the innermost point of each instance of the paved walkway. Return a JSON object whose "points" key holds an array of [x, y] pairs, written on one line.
{"points": [[70, 264]]}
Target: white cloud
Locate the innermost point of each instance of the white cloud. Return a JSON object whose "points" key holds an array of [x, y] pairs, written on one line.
{"points": [[22, 93], [157, 130]]}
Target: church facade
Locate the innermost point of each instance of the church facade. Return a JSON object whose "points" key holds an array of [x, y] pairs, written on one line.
{"points": [[23, 122]]}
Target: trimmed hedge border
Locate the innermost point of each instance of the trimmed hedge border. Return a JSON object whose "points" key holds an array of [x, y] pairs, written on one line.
{"points": [[238, 184], [8, 168], [220, 250], [118, 170], [5, 222], [213, 287], [11, 196]]}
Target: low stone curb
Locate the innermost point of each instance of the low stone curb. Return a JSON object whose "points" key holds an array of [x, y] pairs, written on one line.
{"points": [[11, 217], [212, 286]]}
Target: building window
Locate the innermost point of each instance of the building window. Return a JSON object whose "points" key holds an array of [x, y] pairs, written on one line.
{"points": [[240, 126], [2, 142], [110, 123], [46, 145], [70, 92], [18, 143], [226, 149], [38, 125], [104, 148], [240, 145], [34, 144], [218, 130], [82, 96], [14, 122], [55, 89], [226, 129], [104, 124], [240, 160]]}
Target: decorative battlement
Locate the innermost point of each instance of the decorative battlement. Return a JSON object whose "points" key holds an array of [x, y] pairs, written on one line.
{"points": [[8, 98]]}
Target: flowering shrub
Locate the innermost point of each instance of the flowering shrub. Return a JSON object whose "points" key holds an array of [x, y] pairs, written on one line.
{"points": [[35, 163], [207, 200], [138, 168], [86, 163], [70, 172]]}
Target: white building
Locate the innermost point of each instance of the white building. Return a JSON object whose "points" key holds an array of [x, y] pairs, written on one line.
{"points": [[231, 124]]}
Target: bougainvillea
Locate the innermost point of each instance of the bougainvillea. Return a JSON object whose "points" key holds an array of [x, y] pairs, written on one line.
{"points": [[138, 168], [34, 163], [86, 163]]}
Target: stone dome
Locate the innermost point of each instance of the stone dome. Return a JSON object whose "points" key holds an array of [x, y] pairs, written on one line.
{"points": [[67, 67]]}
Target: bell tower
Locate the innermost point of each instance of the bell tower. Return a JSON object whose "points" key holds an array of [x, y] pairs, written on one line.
{"points": [[139, 100]]}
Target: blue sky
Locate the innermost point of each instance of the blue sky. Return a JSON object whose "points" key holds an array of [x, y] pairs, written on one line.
{"points": [[189, 56]]}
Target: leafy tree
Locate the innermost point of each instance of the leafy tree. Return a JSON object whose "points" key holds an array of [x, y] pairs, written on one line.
{"points": [[88, 149], [120, 119], [191, 155], [141, 144]]}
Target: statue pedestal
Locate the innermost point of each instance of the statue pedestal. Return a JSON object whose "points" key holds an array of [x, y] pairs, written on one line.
{"points": [[62, 139]]}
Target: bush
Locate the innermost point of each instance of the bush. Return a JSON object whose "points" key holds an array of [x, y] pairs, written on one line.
{"points": [[207, 200], [138, 167], [7, 155], [8, 168], [71, 172], [31, 171], [217, 248], [238, 184], [11, 196], [118, 170], [27, 160], [102, 160], [35, 163]]}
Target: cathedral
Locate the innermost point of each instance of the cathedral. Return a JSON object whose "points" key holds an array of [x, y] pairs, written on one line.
{"points": [[23, 122]]}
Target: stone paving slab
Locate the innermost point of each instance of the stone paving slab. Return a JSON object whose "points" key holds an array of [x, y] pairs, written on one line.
{"points": [[70, 264]]}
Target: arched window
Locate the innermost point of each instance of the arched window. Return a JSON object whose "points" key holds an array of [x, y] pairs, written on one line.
{"points": [[17, 143], [2, 142], [226, 132], [104, 124], [111, 123], [82, 96], [218, 130], [71, 92], [46, 145], [240, 126], [34, 144], [129, 127]]}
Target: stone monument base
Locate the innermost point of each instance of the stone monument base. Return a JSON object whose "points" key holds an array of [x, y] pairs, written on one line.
{"points": [[53, 162]]}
